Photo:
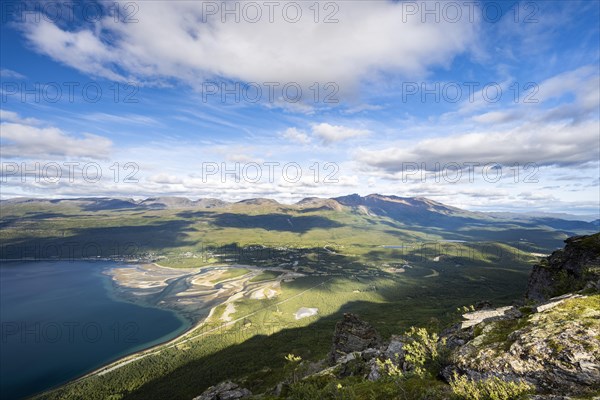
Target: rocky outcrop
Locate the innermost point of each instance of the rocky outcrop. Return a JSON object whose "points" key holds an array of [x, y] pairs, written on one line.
{"points": [[553, 344], [476, 317], [550, 304], [556, 347], [224, 391], [352, 335], [573, 268]]}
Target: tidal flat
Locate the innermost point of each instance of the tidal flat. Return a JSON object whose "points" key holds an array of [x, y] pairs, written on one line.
{"points": [[195, 292]]}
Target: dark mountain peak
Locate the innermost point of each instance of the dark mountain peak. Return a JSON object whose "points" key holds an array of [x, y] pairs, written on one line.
{"points": [[172, 202], [375, 198], [258, 202], [352, 200], [167, 202], [411, 210], [318, 203], [210, 202], [309, 200]]}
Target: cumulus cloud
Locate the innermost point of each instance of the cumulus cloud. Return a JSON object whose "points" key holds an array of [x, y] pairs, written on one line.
{"points": [[560, 128], [11, 116], [324, 132], [296, 136], [335, 133], [82, 49], [180, 40], [543, 144], [23, 140]]}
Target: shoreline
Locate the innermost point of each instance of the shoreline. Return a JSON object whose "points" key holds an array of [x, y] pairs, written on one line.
{"points": [[182, 338], [178, 339]]}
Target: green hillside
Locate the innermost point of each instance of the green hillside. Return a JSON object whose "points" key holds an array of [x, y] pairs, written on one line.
{"points": [[402, 262]]}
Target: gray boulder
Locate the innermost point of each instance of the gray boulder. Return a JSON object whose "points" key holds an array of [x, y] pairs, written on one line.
{"points": [[556, 348], [395, 349], [352, 335], [224, 391]]}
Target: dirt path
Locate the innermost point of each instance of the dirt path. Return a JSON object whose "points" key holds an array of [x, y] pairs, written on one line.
{"points": [[433, 274]]}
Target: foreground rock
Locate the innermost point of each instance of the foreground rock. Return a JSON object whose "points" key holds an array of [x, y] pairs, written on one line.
{"points": [[476, 317], [352, 335], [556, 349], [224, 391], [573, 268]]}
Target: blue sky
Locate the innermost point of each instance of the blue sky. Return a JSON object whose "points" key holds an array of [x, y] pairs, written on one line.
{"points": [[482, 105]]}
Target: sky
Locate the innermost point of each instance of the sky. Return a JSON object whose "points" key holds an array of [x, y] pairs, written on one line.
{"points": [[491, 106]]}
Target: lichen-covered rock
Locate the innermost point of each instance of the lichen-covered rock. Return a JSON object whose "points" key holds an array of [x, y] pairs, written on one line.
{"points": [[369, 354], [555, 301], [374, 371], [573, 268], [557, 349], [352, 335], [456, 336], [476, 317], [224, 391], [395, 349]]}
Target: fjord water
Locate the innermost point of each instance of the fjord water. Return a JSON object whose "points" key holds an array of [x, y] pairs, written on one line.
{"points": [[59, 320]]}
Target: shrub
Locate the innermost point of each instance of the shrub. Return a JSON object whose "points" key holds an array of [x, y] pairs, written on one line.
{"points": [[424, 351], [292, 366], [389, 369], [489, 389], [321, 388]]}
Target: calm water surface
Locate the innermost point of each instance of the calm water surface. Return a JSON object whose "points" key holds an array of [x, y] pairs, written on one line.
{"points": [[60, 320]]}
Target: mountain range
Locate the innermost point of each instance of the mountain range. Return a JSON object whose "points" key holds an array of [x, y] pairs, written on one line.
{"points": [[414, 213]]}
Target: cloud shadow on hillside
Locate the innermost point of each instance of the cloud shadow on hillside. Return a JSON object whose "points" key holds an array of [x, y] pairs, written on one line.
{"points": [[274, 222]]}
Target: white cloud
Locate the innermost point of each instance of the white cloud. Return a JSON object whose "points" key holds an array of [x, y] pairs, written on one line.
{"points": [[296, 136], [171, 41], [23, 140], [81, 49], [582, 83], [325, 132], [495, 117], [543, 144], [336, 133], [120, 119], [165, 179], [11, 116], [9, 73], [242, 158]]}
